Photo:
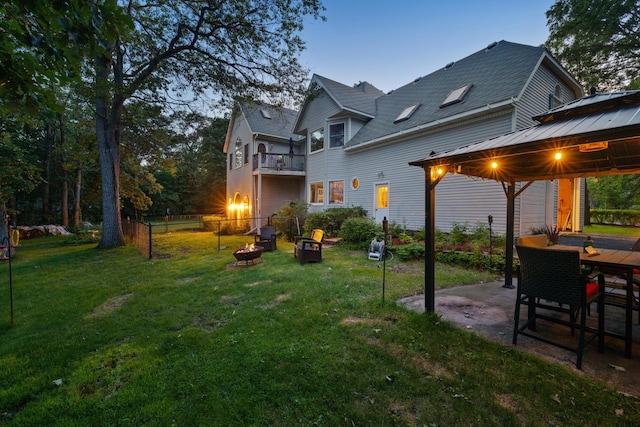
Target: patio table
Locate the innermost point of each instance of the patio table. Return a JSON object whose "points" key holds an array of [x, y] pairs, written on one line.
{"points": [[618, 260]]}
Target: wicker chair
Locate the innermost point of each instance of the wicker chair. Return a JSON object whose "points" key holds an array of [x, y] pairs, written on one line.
{"points": [[309, 249], [266, 238], [546, 275]]}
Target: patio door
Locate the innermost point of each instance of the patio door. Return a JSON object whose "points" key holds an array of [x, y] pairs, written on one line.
{"points": [[381, 201]]}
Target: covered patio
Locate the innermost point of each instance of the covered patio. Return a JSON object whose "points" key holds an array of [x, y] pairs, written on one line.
{"points": [[597, 135]]}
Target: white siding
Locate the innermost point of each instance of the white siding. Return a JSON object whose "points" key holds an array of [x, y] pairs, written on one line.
{"points": [[240, 180], [535, 98], [457, 199]]}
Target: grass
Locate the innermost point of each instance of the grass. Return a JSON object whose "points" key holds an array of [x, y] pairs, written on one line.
{"points": [[616, 230], [187, 340]]}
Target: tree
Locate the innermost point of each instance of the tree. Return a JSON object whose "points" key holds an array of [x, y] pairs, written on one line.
{"points": [[597, 41], [43, 46], [235, 48], [614, 192]]}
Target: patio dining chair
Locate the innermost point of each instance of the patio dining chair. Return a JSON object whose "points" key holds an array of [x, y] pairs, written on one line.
{"points": [[309, 249], [548, 276]]}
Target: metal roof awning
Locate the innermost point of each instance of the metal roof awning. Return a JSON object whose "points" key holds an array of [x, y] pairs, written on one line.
{"points": [[592, 138]]}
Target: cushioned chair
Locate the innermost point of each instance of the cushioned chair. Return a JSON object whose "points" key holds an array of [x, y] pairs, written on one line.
{"points": [[535, 240], [266, 238], [309, 249], [546, 275]]}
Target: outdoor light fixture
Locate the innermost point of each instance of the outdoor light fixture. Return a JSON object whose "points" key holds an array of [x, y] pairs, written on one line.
{"points": [[494, 165], [593, 146], [558, 155]]}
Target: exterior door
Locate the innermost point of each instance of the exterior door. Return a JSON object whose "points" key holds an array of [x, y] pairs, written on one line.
{"points": [[381, 201]]}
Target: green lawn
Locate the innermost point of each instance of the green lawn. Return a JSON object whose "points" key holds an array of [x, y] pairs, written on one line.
{"points": [[187, 340], [615, 230]]}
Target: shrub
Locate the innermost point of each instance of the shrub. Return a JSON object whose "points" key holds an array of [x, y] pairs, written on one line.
{"points": [[357, 233], [331, 220], [409, 252], [228, 227], [284, 221]]}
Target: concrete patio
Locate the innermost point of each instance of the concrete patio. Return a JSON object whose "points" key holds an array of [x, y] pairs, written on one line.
{"points": [[487, 309]]}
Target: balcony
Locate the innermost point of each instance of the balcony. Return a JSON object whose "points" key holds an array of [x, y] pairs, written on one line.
{"points": [[279, 164]]}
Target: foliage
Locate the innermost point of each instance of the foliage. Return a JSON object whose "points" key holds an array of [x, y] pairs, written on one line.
{"points": [[44, 44], [358, 232], [225, 226], [615, 216], [552, 233], [290, 215], [467, 237], [409, 252], [614, 192], [475, 260], [597, 41], [331, 220]]}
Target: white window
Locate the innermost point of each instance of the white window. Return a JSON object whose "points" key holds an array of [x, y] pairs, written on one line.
{"points": [[317, 140], [238, 153], [336, 135], [336, 192], [316, 193]]}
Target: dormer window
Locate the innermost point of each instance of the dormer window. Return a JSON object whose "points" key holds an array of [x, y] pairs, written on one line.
{"points": [[456, 95], [406, 113]]}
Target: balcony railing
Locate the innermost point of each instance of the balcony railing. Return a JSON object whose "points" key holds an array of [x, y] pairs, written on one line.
{"points": [[280, 162]]}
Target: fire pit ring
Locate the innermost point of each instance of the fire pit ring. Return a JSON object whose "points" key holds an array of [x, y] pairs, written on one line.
{"points": [[250, 255]]}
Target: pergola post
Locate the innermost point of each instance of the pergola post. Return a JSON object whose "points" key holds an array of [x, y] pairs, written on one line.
{"points": [[508, 266], [429, 242]]}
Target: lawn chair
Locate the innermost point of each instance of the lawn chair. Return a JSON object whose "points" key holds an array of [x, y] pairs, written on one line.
{"points": [[309, 249], [555, 276], [266, 238]]}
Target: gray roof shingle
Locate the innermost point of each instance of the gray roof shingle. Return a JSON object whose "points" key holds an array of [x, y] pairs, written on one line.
{"points": [[498, 74], [280, 125]]}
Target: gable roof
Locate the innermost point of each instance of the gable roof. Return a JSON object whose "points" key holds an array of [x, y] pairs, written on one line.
{"points": [[274, 123], [358, 100], [497, 74]]}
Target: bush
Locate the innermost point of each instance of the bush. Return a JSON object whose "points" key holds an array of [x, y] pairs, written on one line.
{"points": [[228, 227], [357, 233], [615, 216], [331, 220], [409, 252], [287, 216]]}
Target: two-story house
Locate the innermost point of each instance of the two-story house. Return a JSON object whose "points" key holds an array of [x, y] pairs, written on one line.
{"points": [[265, 161], [358, 141]]}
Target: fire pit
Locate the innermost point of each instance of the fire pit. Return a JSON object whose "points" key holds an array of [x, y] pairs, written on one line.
{"points": [[250, 254]]}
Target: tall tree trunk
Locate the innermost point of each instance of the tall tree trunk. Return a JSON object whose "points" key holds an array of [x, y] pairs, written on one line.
{"points": [[64, 199], [46, 166], [4, 232], [76, 198], [64, 195], [109, 152]]}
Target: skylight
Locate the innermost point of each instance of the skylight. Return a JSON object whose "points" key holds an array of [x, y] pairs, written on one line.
{"points": [[456, 95], [406, 113], [265, 113]]}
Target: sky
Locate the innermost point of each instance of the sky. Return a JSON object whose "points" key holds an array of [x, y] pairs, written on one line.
{"points": [[389, 43]]}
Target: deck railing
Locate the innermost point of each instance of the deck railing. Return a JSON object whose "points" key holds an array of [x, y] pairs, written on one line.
{"points": [[281, 162]]}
